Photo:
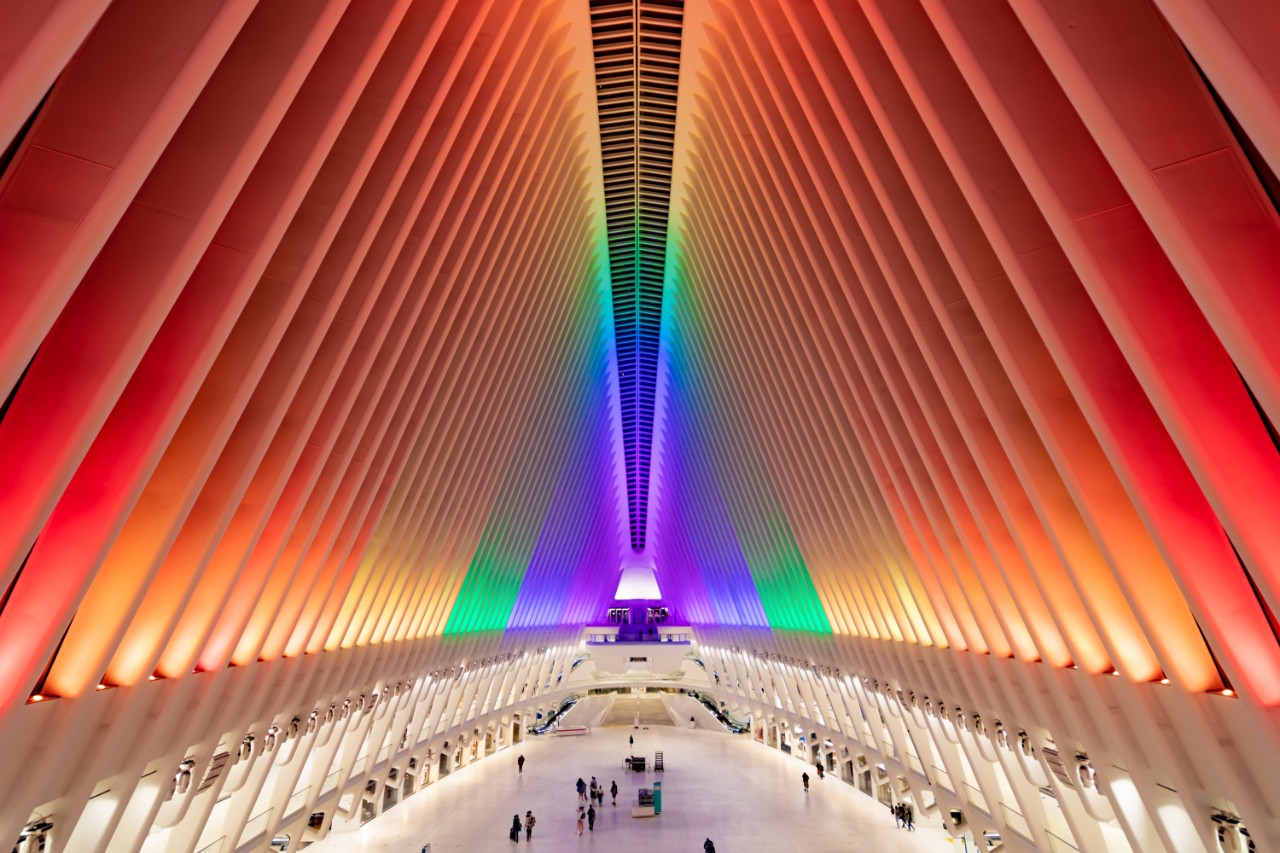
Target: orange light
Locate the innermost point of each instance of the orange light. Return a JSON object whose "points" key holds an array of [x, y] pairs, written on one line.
{"points": [[36, 697], [101, 687], [1164, 681], [152, 678], [1228, 692]]}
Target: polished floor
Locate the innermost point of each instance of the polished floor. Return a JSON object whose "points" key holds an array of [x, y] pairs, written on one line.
{"points": [[742, 795]]}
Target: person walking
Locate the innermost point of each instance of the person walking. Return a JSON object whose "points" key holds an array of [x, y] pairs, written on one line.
{"points": [[582, 815], [582, 790], [897, 815], [520, 763], [804, 777], [631, 739], [708, 847], [613, 789], [529, 821], [907, 815], [591, 818], [514, 834]]}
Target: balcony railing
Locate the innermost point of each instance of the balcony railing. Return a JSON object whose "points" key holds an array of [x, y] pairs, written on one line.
{"points": [[296, 802], [599, 639], [1015, 821], [942, 778], [1060, 845], [256, 826], [976, 798]]}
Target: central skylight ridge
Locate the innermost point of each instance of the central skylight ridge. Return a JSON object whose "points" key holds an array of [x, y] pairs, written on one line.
{"points": [[637, 58]]}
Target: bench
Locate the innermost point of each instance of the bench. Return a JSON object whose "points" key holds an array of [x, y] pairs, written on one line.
{"points": [[571, 731]]}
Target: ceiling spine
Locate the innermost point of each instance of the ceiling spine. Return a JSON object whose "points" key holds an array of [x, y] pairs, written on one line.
{"points": [[637, 58]]}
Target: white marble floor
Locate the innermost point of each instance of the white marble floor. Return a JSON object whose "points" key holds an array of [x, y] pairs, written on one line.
{"points": [[742, 795]]}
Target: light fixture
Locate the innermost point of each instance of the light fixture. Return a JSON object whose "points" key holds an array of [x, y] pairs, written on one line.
{"points": [[36, 697]]}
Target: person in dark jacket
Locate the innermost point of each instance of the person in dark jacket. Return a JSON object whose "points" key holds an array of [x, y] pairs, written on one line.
{"points": [[708, 847], [582, 789], [613, 789], [804, 777], [514, 834], [520, 763], [591, 818]]}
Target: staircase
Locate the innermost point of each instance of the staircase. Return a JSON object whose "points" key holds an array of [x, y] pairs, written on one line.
{"points": [[650, 707]]}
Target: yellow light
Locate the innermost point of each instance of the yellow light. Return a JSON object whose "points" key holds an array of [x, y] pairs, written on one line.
{"points": [[1164, 681], [1228, 692], [36, 697]]}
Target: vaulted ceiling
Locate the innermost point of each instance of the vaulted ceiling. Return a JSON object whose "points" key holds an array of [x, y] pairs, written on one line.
{"points": [[911, 322], [945, 323]]}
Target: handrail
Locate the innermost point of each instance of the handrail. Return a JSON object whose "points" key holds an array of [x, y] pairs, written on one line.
{"points": [[722, 717], [545, 725], [215, 847], [943, 778]]}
